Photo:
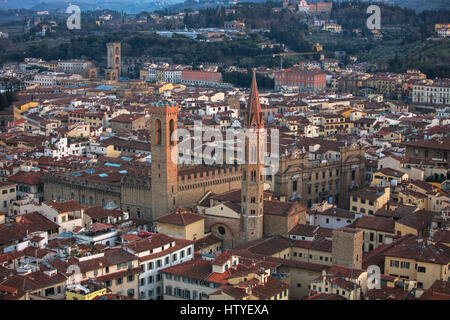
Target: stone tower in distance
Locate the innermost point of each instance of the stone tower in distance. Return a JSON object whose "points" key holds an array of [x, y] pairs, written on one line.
{"points": [[252, 192], [114, 56], [164, 175], [347, 247]]}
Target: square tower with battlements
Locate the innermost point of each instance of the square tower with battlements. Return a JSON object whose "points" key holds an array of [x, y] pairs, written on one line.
{"points": [[164, 153]]}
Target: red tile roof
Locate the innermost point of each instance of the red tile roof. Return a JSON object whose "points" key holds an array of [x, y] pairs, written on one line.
{"points": [[64, 206], [180, 218], [31, 178], [24, 225]]}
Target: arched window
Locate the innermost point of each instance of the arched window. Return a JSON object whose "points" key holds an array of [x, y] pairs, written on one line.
{"points": [[83, 199], [138, 212], [253, 176], [253, 155], [158, 131], [103, 203], [171, 130], [91, 201]]}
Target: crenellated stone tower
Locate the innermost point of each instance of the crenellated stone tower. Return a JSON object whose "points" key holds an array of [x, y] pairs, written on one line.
{"points": [[164, 176]]}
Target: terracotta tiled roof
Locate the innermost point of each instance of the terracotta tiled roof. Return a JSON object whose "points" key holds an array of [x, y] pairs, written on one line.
{"points": [[180, 218], [156, 241], [337, 212], [100, 226], [441, 287], [418, 220], [194, 269], [269, 289], [279, 208], [442, 236], [221, 259], [98, 213], [267, 246], [26, 224], [64, 206], [387, 293], [206, 242], [420, 250], [307, 230], [31, 178], [319, 244], [375, 223], [343, 271], [236, 293], [369, 193], [111, 257]]}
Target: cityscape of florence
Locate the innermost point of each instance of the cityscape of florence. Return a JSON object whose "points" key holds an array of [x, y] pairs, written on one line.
{"points": [[225, 154]]}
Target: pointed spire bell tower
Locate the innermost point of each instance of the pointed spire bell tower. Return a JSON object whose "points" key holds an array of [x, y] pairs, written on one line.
{"points": [[252, 194]]}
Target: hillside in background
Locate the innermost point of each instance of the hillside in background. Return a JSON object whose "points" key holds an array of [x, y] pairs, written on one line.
{"points": [[129, 6], [137, 6]]}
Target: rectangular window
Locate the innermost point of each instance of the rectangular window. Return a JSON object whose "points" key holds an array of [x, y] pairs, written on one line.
{"points": [[404, 265], [394, 263], [49, 292]]}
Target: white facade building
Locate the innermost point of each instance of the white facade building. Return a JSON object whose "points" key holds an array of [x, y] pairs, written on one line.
{"points": [[436, 93], [156, 253]]}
